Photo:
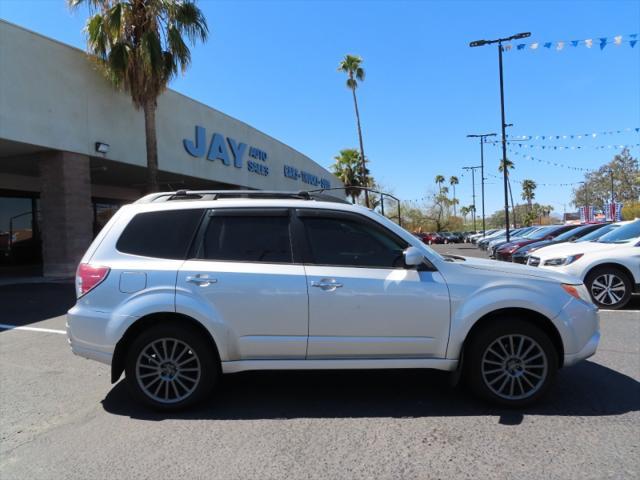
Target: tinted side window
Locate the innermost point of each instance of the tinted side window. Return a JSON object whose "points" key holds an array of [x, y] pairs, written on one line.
{"points": [[248, 239], [346, 242], [165, 234]]}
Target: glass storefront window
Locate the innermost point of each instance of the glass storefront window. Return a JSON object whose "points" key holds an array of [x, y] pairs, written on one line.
{"points": [[102, 213], [19, 238]]}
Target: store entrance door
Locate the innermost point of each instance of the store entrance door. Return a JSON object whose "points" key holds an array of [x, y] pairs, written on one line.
{"points": [[20, 245]]}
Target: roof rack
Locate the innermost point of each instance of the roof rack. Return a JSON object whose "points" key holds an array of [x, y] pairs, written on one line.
{"points": [[185, 195]]}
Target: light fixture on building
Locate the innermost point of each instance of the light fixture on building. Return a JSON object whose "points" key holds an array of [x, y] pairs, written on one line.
{"points": [[102, 147]]}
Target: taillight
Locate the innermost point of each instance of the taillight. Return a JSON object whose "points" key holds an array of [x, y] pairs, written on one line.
{"points": [[88, 277]]}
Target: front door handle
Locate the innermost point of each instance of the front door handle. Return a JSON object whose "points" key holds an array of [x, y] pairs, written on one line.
{"points": [[326, 284], [201, 279]]}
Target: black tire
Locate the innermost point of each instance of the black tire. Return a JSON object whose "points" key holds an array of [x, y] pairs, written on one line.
{"points": [[480, 363], [619, 280], [183, 386]]}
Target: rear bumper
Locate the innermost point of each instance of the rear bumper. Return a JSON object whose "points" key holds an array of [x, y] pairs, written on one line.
{"points": [[83, 350]]}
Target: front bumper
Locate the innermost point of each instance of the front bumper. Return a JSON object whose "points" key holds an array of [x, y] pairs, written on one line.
{"points": [[587, 351]]}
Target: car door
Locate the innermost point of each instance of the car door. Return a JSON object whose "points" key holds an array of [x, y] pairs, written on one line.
{"points": [[244, 273], [363, 301]]}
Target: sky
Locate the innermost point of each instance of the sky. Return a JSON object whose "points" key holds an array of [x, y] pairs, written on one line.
{"points": [[273, 65]]}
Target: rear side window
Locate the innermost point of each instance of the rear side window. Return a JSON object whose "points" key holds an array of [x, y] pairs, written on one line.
{"points": [[166, 234], [248, 239]]}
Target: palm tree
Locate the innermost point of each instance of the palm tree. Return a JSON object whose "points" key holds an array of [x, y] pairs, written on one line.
{"points": [[528, 192], [439, 181], [510, 166], [464, 211], [351, 65], [347, 169], [453, 181], [139, 46]]}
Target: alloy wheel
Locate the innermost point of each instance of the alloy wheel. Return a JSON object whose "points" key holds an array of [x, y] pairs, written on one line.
{"points": [[608, 289], [168, 370], [514, 367]]}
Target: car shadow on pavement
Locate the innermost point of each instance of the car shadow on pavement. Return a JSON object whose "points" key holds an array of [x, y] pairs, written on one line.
{"points": [[587, 389], [27, 303]]}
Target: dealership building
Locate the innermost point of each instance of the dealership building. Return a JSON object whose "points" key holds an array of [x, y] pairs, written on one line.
{"points": [[72, 150]]}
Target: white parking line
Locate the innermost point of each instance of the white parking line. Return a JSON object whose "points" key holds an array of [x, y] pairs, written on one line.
{"points": [[31, 329]]}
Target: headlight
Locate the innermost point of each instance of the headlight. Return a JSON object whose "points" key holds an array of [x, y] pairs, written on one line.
{"points": [[556, 262], [578, 291]]}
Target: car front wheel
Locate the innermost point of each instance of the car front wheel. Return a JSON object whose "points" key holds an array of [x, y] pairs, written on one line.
{"points": [[609, 287], [511, 362], [170, 367]]}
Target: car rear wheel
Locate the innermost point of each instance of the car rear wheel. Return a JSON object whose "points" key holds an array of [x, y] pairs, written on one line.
{"points": [[170, 367], [609, 287], [511, 362]]}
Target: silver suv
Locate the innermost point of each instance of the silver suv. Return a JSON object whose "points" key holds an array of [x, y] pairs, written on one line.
{"points": [[181, 287]]}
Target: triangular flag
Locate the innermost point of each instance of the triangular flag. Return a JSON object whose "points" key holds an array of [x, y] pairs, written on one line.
{"points": [[603, 43], [521, 46], [507, 47], [633, 43], [534, 45], [560, 46], [574, 43], [617, 40], [547, 45], [588, 42]]}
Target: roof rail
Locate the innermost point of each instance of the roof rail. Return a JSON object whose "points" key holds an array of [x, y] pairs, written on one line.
{"points": [[220, 194]]}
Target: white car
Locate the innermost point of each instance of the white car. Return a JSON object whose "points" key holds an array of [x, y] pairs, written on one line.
{"points": [[609, 266], [182, 287]]}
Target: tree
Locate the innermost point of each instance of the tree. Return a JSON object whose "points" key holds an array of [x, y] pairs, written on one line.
{"points": [[510, 166], [528, 191], [347, 168], [439, 181], [626, 182], [464, 211], [139, 46], [352, 66], [453, 181]]}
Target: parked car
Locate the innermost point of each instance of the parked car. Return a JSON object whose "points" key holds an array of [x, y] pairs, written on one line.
{"points": [[514, 235], [483, 242], [520, 255], [505, 252], [432, 238], [449, 237], [609, 266], [480, 235], [177, 289]]}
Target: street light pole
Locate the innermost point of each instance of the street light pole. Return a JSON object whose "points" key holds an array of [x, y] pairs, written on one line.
{"points": [[479, 43], [482, 140], [473, 189]]}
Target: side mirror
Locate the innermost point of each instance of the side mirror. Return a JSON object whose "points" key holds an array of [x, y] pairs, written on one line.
{"points": [[413, 257]]}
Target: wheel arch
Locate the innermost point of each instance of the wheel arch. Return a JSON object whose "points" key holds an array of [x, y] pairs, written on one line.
{"points": [[610, 264], [531, 316], [120, 352]]}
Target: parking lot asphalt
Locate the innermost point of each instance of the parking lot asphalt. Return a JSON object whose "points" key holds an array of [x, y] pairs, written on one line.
{"points": [[61, 418]]}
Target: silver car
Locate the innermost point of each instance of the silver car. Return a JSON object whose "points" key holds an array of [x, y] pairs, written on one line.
{"points": [[182, 287]]}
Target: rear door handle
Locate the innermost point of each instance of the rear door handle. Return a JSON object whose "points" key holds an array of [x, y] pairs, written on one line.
{"points": [[202, 280], [326, 284]]}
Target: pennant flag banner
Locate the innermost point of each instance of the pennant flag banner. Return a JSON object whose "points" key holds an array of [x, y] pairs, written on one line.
{"points": [[555, 164], [537, 183], [572, 147], [587, 214], [559, 45], [613, 211], [574, 136]]}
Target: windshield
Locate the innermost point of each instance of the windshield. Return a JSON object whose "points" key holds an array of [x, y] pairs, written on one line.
{"points": [[622, 234], [540, 233], [572, 233], [596, 234]]}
